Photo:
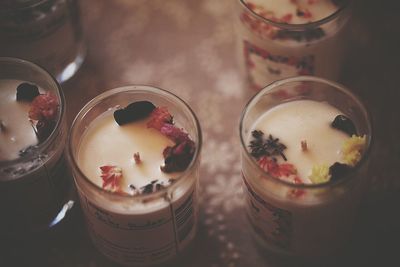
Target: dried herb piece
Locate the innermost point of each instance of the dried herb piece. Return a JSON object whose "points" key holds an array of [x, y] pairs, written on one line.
{"points": [[266, 147], [338, 170], [344, 124], [44, 128], [27, 92], [44, 107], [133, 112]]}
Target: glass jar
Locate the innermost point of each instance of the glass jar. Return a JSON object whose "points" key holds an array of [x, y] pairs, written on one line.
{"points": [[46, 32], [139, 229], [307, 222], [36, 190], [270, 48]]}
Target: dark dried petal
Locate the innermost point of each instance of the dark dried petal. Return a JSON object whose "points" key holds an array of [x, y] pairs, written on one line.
{"points": [[27, 92], [178, 157], [338, 170], [133, 112], [344, 124]]}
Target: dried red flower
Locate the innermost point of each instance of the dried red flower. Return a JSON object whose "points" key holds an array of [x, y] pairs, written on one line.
{"points": [[111, 176], [276, 170], [44, 107], [158, 117], [174, 133]]}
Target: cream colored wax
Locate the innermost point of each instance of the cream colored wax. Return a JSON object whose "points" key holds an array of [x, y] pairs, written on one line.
{"points": [[107, 143], [304, 120], [17, 132]]}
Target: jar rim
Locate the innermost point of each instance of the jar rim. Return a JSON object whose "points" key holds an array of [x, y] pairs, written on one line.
{"points": [[300, 26]]}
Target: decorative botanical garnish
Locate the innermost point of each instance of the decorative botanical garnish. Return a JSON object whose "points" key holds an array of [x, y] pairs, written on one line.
{"points": [[133, 112], [320, 174], [44, 110], [266, 147], [44, 107], [179, 156], [159, 117], [275, 169], [111, 176], [151, 187], [337, 170], [136, 157], [344, 124], [304, 146], [27, 92], [352, 149]]}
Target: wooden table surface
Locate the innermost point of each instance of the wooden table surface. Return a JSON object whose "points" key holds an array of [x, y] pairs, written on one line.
{"points": [[187, 47]]}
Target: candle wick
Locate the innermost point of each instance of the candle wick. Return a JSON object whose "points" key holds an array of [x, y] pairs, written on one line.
{"points": [[304, 146], [137, 158]]}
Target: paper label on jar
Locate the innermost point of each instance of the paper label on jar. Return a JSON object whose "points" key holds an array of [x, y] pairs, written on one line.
{"points": [[264, 66], [270, 223], [143, 239]]}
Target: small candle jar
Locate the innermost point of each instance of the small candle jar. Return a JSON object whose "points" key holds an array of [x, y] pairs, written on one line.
{"points": [[46, 32], [35, 188], [303, 170], [280, 39], [141, 218]]}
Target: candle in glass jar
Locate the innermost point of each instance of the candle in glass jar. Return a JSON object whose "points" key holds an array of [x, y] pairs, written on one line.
{"points": [[136, 171], [33, 174], [306, 139], [278, 39], [305, 144]]}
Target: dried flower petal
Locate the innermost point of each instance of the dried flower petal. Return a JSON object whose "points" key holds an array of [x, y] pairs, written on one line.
{"points": [[352, 149], [111, 176], [158, 117], [174, 133], [320, 174], [178, 157], [44, 107]]}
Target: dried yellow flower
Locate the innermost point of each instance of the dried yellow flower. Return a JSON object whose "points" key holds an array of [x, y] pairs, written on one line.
{"points": [[320, 174], [352, 149]]}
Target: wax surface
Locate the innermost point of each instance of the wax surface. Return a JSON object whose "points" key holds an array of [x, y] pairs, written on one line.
{"points": [[307, 120], [107, 143], [276, 10], [18, 133]]}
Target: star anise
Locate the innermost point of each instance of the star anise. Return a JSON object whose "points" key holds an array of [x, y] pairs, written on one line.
{"points": [[260, 146]]}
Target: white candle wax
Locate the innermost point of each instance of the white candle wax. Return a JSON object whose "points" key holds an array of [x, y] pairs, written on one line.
{"points": [[107, 143], [305, 120], [17, 133]]}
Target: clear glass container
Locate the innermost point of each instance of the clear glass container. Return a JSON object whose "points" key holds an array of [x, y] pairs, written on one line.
{"points": [[317, 224], [270, 50], [46, 32], [36, 189], [146, 229]]}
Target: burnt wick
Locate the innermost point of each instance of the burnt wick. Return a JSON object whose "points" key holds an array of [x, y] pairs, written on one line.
{"points": [[304, 146], [137, 158]]}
